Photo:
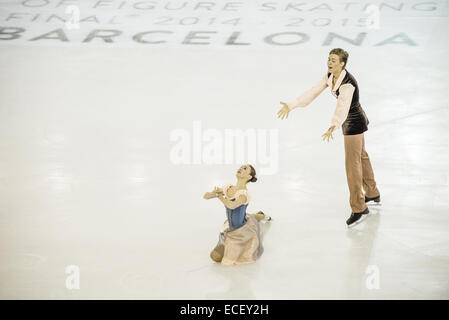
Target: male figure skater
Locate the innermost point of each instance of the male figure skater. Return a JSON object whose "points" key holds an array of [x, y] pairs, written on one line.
{"points": [[350, 116]]}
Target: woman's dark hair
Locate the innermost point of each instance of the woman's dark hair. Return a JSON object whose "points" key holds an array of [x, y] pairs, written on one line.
{"points": [[342, 54], [253, 174]]}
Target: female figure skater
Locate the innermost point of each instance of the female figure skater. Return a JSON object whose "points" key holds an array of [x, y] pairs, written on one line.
{"points": [[350, 116], [240, 238]]}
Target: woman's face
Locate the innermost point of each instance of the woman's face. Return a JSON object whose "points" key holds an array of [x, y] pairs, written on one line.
{"points": [[244, 172], [333, 63]]}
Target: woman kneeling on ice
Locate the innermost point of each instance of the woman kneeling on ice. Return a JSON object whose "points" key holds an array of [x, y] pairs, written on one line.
{"points": [[240, 239]]}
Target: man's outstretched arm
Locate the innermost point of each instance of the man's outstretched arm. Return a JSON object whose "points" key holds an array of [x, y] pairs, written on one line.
{"points": [[309, 95]]}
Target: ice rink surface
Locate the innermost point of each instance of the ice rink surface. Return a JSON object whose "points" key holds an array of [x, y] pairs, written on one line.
{"points": [[88, 176]]}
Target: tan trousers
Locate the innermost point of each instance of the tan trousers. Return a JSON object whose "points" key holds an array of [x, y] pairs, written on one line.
{"points": [[358, 172]]}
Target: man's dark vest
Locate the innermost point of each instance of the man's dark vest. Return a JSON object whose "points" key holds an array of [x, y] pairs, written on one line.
{"points": [[357, 121]]}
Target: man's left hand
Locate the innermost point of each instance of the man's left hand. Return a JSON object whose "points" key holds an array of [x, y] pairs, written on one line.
{"points": [[328, 134]]}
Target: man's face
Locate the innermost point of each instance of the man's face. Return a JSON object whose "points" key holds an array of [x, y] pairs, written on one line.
{"points": [[334, 64]]}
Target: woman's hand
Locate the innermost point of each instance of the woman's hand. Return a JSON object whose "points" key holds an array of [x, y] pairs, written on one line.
{"points": [[328, 134], [209, 195], [283, 112], [214, 194], [218, 191]]}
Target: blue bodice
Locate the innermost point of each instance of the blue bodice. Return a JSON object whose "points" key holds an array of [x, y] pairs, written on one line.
{"points": [[236, 217]]}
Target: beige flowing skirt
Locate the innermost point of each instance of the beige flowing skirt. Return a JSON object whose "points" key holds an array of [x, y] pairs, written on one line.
{"points": [[242, 245]]}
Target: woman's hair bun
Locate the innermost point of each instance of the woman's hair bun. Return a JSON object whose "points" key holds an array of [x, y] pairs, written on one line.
{"points": [[253, 174]]}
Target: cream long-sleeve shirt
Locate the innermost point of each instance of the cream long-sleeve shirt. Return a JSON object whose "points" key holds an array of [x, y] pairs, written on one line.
{"points": [[346, 92]]}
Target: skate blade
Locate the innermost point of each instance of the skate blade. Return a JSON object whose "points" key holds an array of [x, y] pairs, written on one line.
{"points": [[358, 221], [374, 204]]}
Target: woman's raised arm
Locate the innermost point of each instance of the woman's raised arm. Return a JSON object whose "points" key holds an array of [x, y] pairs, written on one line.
{"points": [[241, 199]]}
